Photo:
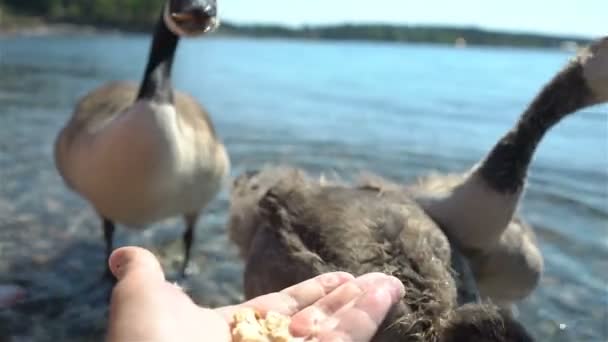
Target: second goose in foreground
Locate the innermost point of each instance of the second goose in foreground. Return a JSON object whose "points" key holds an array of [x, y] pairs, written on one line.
{"points": [[478, 209], [142, 153]]}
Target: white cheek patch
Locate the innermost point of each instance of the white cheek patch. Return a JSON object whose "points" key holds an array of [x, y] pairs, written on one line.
{"points": [[171, 24], [215, 24]]}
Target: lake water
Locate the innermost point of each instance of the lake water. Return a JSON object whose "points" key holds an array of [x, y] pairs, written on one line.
{"points": [[398, 110]]}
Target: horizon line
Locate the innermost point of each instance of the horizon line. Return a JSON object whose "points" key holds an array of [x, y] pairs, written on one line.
{"points": [[300, 26]]}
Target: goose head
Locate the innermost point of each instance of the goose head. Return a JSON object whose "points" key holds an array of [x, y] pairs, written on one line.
{"points": [[594, 61], [187, 18], [247, 190]]}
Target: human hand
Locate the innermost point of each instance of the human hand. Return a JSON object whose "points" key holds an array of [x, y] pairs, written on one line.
{"points": [[331, 307]]}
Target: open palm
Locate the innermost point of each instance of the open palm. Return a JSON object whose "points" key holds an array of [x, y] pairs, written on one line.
{"points": [[330, 307]]}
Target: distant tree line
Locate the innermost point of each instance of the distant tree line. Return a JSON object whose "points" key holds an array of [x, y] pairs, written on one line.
{"points": [[138, 15], [122, 14], [413, 34]]}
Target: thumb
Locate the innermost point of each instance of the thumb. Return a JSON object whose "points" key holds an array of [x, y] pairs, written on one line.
{"points": [[136, 263]]}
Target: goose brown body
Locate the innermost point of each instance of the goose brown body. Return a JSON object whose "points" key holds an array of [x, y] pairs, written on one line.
{"points": [[141, 169]]}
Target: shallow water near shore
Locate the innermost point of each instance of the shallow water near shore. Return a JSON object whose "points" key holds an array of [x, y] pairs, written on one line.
{"points": [[397, 110]]}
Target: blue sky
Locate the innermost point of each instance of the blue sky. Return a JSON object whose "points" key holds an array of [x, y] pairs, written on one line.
{"points": [[571, 17]]}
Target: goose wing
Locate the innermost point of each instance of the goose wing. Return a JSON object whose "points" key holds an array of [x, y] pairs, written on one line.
{"points": [[91, 112]]}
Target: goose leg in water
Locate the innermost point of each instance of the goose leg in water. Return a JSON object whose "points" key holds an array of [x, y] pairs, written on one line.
{"points": [[108, 233], [188, 238]]}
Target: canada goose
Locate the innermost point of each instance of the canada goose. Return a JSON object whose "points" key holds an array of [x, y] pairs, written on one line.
{"points": [[142, 153], [289, 228], [477, 209]]}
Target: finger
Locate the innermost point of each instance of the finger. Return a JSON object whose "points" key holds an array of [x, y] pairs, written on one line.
{"points": [[141, 294], [306, 322], [310, 291], [135, 262], [360, 321], [311, 319], [294, 298]]}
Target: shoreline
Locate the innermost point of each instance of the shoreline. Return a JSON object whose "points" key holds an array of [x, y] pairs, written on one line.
{"points": [[64, 29], [48, 29], [19, 25], [12, 25]]}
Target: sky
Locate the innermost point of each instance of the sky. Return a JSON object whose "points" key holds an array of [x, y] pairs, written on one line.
{"points": [[585, 18]]}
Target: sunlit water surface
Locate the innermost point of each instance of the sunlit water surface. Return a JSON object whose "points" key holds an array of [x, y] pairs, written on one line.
{"points": [[398, 110]]}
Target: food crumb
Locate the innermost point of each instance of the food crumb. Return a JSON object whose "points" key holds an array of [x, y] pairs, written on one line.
{"points": [[250, 326]]}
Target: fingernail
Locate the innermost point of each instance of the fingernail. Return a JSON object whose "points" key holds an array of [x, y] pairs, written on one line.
{"points": [[329, 280], [395, 287], [334, 279], [119, 261]]}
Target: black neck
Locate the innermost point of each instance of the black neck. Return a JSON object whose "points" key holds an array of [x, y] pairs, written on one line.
{"points": [[506, 166], [156, 84]]}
